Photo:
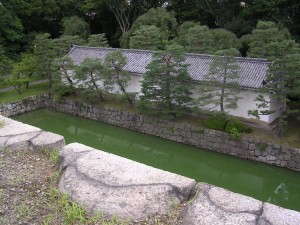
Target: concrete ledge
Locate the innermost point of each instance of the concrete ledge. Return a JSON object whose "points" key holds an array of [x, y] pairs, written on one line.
{"points": [[217, 206], [19, 136], [119, 186]]}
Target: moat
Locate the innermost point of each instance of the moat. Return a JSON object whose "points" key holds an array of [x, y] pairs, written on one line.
{"points": [[264, 182]]}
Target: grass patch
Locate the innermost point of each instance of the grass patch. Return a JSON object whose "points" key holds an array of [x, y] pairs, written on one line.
{"points": [[2, 123], [34, 89]]}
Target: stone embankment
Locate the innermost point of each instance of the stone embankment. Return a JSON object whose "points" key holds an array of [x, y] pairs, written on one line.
{"points": [[257, 150], [118, 186]]}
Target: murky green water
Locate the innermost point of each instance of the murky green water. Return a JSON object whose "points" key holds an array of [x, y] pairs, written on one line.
{"points": [[264, 182]]}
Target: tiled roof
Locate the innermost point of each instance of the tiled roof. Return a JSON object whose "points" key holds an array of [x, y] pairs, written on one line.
{"points": [[252, 71]]}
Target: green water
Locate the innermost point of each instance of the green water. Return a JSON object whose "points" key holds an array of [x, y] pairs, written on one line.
{"points": [[264, 182]]}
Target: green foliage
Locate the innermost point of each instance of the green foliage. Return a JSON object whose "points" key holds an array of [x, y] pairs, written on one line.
{"points": [[62, 77], [166, 83], [90, 74], [2, 123], [97, 40], [165, 21], [283, 76], [75, 25], [238, 125], [10, 96], [220, 87], [263, 38], [45, 55], [223, 39], [262, 146], [200, 130], [217, 121], [5, 64], [114, 63], [234, 133], [182, 32], [63, 44], [146, 37], [199, 40]]}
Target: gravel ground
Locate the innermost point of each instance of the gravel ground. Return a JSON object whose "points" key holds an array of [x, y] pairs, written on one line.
{"points": [[28, 194], [26, 178]]}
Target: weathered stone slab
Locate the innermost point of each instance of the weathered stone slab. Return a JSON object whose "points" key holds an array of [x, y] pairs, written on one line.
{"points": [[20, 136], [119, 186], [13, 128], [47, 140], [276, 215], [218, 206], [21, 141]]}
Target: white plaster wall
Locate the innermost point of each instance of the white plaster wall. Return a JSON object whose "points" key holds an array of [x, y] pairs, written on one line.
{"points": [[244, 104]]}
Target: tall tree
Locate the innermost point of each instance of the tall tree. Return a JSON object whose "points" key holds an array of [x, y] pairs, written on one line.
{"points": [[97, 40], [114, 63], [166, 81], [122, 11], [282, 80], [165, 21], [146, 37], [63, 75], [64, 43], [45, 54], [76, 26], [220, 86], [23, 72], [10, 27], [5, 64], [182, 32], [199, 40], [26, 68], [90, 76], [223, 39], [282, 75], [263, 37]]}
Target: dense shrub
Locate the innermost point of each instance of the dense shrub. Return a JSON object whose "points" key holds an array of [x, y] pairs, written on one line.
{"points": [[217, 121], [222, 122], [234, 123]]}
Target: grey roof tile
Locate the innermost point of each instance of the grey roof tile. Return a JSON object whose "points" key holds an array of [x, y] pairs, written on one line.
{"points": [[252, 71]]}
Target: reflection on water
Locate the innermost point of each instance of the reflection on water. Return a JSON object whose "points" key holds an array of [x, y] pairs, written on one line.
{"points": [[264, 182]]}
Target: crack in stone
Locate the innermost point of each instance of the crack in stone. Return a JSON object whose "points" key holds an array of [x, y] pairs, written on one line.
{"points": [[206, 194], [97, 184], [15, 135], [77, 156], [9, 137]]}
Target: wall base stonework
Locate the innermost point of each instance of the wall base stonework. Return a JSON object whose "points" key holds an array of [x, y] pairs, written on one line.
{"points": [[217, 141]]}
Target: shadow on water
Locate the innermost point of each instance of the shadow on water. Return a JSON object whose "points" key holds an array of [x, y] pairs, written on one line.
{"points": [[264, 182]]}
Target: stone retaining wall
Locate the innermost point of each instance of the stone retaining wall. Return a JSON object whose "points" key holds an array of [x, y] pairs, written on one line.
{"points": [[204, 138]]}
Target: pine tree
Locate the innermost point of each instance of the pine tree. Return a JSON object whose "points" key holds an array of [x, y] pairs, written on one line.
{"points": [[97, 40], [115, 74], [45, 54], [166, 83], [220, 86], [283, 75], [89, 75], [199, 40], [282, 80], [63, 80], [146, 37]]}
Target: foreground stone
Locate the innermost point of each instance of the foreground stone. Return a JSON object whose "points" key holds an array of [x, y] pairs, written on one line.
{"points": [[217, 206], [19, 136], [119, 186]]}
